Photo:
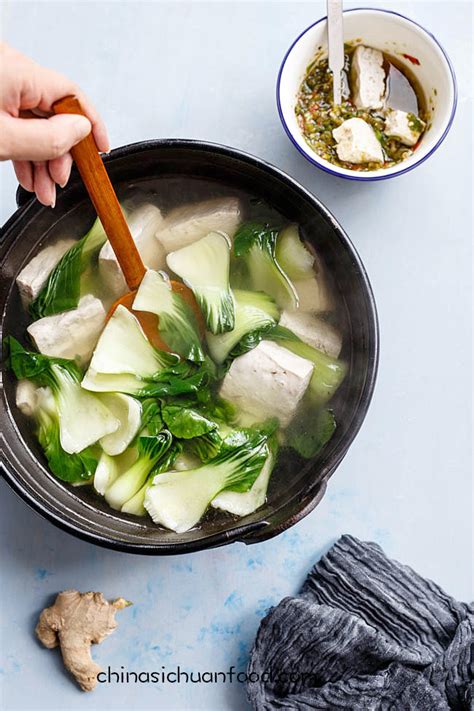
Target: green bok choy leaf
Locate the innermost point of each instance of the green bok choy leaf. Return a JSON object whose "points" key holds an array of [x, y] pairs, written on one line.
{"points": [[62, 289], [254, 312], [83, 418], [177, 323], [75, 468], [178, 499], [200, 433], [256, 244], [150, 451], [204, 267]]}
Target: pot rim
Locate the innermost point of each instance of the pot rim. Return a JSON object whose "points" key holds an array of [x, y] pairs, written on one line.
{"points": [[299, 506]]}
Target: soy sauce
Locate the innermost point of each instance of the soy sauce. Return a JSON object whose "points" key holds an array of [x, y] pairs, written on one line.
{"points": [[400, 91]]}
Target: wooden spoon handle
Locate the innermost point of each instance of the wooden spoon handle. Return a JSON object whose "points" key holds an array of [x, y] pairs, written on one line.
{"points": [[104, 199]]}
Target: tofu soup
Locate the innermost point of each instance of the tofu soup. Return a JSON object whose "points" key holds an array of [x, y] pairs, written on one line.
{"points": [[381, 119], [217, 375]]}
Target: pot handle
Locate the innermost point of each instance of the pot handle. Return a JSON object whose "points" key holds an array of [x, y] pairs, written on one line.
{"points": [[267, 529], [23, 196]]}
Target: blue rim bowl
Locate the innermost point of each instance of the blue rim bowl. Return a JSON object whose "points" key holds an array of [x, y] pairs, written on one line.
{"points": [[313, 158]]}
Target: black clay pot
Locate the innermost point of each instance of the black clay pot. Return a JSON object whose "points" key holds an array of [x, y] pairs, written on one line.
{"points": [[296, 490]]}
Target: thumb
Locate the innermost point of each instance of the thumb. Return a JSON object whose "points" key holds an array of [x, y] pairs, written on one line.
{"points": [[41, 139]]}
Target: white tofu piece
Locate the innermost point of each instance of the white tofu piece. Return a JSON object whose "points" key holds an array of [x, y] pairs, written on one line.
{"points": [[313, 331], [32, 278], [406, 127], [268, 381], [71, 334], [26, 397], [367, 78], [143, 222], [189, 223], [357, 142], [314, 295]]}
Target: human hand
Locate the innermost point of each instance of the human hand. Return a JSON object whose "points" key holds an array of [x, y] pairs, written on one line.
{"points": [[37, 142]]}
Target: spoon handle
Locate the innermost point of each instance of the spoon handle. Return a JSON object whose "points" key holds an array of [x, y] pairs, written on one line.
{"points": [[101, 192], [335, 46]]}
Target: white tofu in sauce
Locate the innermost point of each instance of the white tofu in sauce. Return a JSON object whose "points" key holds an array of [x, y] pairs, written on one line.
{"points": [[32, 278], [143, 222], [313, 331], [357, 142], [367, 78], [189, 223], [404, 126], [70, 334], [268, 381]]}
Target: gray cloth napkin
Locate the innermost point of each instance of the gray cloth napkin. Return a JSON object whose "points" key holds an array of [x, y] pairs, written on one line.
{"points": [[364, 633]]}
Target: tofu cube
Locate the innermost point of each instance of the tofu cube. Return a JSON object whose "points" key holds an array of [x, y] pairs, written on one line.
{"points": [[71, 334], [367, 78], [314, 295], [32, 278], [357, 142], [268, 381], [313, 331], [143, 222], [404, 126], [189, 223]]}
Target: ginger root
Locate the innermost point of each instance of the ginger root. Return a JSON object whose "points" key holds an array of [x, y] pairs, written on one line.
{"points": [[75, 621]]}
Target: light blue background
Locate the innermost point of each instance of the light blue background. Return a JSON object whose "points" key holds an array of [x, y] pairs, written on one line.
{"points": [[208, 70]]}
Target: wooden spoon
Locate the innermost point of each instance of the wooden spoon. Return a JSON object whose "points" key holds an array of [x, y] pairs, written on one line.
{"points": [[101, 192]]}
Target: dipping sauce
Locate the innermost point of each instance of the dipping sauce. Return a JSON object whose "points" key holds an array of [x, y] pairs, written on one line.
{"points": [[402, 112]]}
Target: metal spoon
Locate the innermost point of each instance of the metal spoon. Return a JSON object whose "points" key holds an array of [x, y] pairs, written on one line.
{"points": [[335, 47]]}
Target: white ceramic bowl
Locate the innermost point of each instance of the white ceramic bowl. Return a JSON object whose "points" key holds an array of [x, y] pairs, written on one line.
{"points": [[396, 35]]}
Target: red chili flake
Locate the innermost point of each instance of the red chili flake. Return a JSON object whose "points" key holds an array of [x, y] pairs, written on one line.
{"points": [[411, 59]]}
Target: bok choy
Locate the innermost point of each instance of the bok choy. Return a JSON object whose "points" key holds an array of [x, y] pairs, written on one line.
{"points": [[328, 372], [177, 323], [204, 267], [308, 434], [178, 499], [62, 289], [150, 450], [135, 505], [292, 255], [256, 244], [125, 361], [128, 412], [109, 468], [83, 418], [246, 502], [201, 434], [123, 357], [76, 468], [254, 311]]}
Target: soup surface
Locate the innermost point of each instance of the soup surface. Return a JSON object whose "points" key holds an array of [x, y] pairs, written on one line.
{"points": [[189, 395]]}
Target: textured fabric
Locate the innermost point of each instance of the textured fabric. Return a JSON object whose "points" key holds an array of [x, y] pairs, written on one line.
{"points": [[365, 633]]}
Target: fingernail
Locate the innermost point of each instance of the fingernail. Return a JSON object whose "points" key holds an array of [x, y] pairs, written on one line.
{"points": [[53, 202], [63, 185]]}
